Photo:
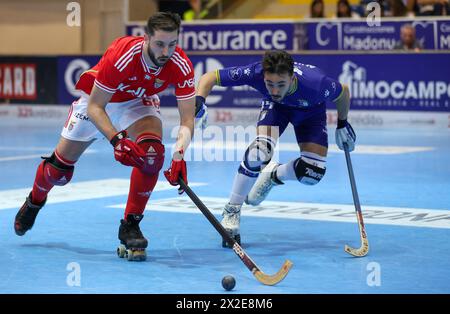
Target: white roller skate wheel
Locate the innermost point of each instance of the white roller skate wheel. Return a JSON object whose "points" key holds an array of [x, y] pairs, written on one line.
{"points": [[121, 250], [129, 255]]}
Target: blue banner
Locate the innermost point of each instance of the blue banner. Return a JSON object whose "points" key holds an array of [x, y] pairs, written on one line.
{"points": [[361, 36], [232, 36], [433, 34], [377, 82], [69, 71], [443, 35]]}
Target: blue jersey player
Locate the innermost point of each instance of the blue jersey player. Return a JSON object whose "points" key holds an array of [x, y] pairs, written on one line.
{"points": [[292, 93]]}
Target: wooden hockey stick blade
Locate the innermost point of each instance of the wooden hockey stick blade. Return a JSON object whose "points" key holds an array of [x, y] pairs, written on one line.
{"points": [[364, 248], [245, 258], [271, 280], [360, 252], [263, 278]]}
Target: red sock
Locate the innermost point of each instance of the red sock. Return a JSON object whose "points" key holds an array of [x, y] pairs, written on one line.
{"points": [[141, 186], [42, 186], [143, 181]]}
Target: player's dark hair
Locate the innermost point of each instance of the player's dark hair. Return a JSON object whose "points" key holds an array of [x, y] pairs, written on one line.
{"points": [[166, 21], [278, 62]]}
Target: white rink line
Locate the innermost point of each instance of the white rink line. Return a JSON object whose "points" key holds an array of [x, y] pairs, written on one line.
{"points": [[26, 148], [359, 149], [242, 146], [24, 157], [85, 190], [415, 217]]}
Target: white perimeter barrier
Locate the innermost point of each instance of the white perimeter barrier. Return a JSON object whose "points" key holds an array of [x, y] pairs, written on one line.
{"points": [[49, 114]]}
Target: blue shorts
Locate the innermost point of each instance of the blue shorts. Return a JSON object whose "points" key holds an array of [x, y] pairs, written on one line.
{"points": [[310, 125]]}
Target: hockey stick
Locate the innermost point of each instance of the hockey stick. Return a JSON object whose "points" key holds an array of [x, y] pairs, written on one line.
{"points": [[245, 258], [364, 248]]}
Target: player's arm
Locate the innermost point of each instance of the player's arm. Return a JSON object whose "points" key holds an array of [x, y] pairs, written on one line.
{"points": [[343, 103], [206, 83], [125, 151], [97, 112], [185, 93], [232, 76], [186, 109], [344, 131]]}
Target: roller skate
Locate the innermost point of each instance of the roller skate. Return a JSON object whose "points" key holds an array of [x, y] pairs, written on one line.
{"points": [[26, 216], [132, 242], [266, 181], [231, 221]]}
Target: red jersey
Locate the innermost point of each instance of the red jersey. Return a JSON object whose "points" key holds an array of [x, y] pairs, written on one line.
{"points": [[124, 72]]}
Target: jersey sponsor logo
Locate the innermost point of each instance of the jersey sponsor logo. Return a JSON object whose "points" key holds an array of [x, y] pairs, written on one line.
{"points": [[326, 93], [81, 116], [247, 71], [137, 93], [333, 86], [235, 73], [133, 78], [303, 103], [71, 125], [189, 83], [158, 83]]}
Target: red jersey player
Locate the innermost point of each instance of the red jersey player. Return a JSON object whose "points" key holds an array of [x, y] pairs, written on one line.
{"points": [[119, 100]]}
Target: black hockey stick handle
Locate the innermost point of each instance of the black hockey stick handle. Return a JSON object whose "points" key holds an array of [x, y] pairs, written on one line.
{"points": [[217, 225], [352, 178]]}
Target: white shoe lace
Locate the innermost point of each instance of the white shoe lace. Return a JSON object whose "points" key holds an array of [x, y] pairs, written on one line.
{"points": [[231, 219]]}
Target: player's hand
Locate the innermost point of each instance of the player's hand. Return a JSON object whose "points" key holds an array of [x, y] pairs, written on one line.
{"points": [[201, 112], [177, 169], [345, 134], [126, 151]]}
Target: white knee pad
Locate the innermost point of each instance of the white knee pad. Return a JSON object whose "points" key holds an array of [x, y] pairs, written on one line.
{"points": [[258, 154]]}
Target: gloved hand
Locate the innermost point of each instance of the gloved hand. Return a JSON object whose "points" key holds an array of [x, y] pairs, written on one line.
{"points": [[345, 134], [201, 112], [177, 169], [126, 151]]}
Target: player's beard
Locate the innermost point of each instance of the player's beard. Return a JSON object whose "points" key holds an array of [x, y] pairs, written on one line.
{"points": [[159, 62]]}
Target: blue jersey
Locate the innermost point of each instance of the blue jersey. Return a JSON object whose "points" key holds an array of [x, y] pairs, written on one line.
{"points": [[311, 86]]}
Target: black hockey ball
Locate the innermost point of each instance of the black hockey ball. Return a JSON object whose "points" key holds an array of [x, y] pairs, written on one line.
{"points": [[228, 283]]}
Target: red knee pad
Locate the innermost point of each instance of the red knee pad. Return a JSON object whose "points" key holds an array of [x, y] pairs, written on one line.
{"points": [[56, 172], [151, 144]]}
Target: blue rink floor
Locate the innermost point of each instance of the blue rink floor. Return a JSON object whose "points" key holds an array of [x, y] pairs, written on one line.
{"points": [[403, 179]]}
